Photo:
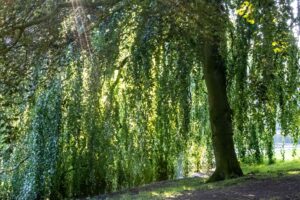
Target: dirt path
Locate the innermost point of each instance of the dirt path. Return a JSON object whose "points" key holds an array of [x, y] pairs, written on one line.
{"points": [[282, 188]]}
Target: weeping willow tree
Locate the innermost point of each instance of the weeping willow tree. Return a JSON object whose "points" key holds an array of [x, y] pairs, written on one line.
{"points": [[115, 94]]}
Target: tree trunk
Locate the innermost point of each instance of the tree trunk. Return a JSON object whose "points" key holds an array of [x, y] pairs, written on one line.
{"points": [[227, 165]]}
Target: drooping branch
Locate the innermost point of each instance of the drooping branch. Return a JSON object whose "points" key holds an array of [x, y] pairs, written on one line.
{"points": [[102, 6], [106, 8], [15, 167]]}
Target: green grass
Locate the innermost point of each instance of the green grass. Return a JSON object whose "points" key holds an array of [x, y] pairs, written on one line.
{"points": [[179, 186], [286, 167], [158, 191]]}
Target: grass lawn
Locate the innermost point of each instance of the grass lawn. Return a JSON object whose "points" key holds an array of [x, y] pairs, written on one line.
{"points": [[167, 189], [280, 167]]}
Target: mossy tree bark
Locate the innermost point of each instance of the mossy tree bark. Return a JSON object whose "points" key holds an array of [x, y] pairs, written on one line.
{"points": [[227, 165]]}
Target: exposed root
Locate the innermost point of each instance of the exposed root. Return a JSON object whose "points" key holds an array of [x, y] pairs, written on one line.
{"points": [[221, 175]]}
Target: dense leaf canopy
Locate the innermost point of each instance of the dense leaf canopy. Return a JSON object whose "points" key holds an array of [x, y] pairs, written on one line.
{"points": [[97, 96]]}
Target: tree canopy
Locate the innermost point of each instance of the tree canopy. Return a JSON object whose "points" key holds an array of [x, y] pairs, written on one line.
{"points": [[97, 96]]}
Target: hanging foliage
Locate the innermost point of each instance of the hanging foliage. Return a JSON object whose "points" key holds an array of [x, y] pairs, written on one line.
{"points": [[107, 96]]}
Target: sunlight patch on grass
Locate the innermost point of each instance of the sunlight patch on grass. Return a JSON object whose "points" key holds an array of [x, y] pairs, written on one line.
{"points": [[178, 187], [279, 166], [170, 191], [293, 172], [165, 194]]}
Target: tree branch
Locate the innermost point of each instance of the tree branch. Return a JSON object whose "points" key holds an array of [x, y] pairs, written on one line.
{"points": [[103, 5], [15, 167]]}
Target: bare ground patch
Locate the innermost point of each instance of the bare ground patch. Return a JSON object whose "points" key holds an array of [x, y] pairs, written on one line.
{"points": [[280, 188]]}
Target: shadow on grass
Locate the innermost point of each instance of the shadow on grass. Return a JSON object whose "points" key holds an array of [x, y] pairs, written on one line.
{"points": [[176, 188]]}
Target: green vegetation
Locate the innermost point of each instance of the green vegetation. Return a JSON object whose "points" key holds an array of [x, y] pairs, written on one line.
{"points": [[175, 188], [98, 96], [287, 167]]}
